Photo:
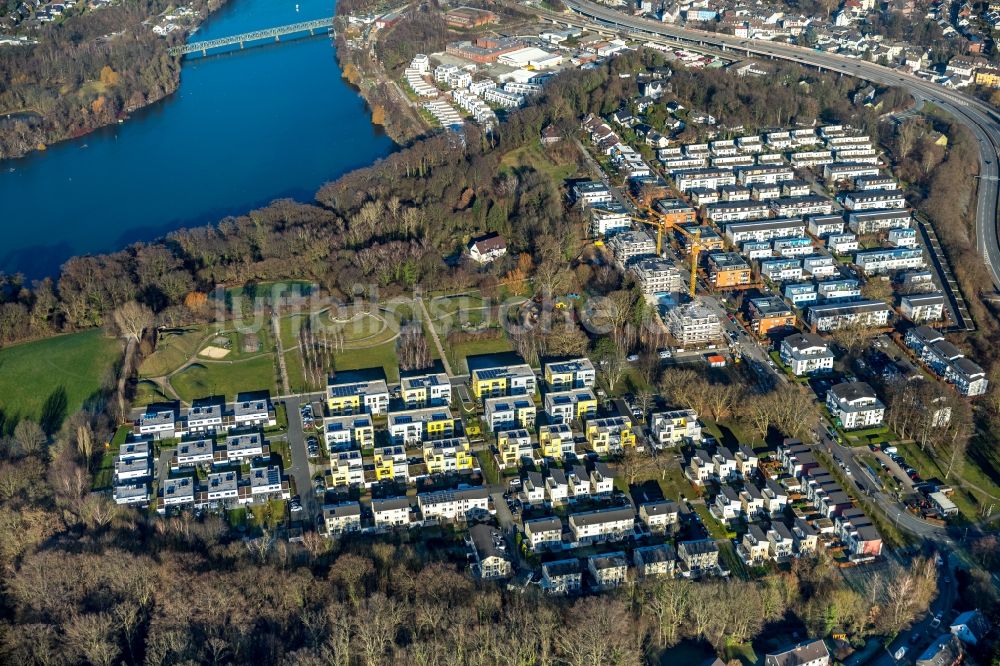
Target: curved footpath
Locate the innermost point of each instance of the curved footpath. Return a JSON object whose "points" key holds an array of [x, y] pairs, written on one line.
{"points": [[975, 114]]}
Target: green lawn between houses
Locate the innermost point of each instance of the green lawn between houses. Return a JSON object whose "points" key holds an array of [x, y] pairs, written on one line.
{"points": [[205, 379], [63, 371]]}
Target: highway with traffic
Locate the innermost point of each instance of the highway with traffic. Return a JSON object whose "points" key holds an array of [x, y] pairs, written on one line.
{"points": [[978, 116]]}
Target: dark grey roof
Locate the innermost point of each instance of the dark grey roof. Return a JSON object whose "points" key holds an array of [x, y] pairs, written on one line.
{"points": [[602, 516], [803, 653]]}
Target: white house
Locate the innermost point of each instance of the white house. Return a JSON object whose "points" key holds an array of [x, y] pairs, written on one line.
{"points": [[855, 405]]}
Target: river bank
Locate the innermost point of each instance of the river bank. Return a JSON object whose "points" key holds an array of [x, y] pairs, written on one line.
{"points": [[112, 85]]}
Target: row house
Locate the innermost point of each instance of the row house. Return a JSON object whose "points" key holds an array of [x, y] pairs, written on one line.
{"points": [[192, 453], [709, 178], [567, 406], [876, 183], [351, 431], [847, 289], [392, 512], [577, 373], [841, 171], [781, 544], [775, 498], [800, 294], [728, 504], [543, 533], [819, 266], [454, 505], [240, 447], [806, 537], [764, 174], [756, 250], [701, 467], [509, 412], [903, 237], [859, 534], [781, 270], [500, 381], [674, 427], [796, 458], [753, 547], [339, 519], [734, 193], [602, 525], [947, 361], [796, 246], [658, 560], [661, 517], [489, 548], [176, 493], [608, 570], [811, 158], [752, 503], [859, 200]]}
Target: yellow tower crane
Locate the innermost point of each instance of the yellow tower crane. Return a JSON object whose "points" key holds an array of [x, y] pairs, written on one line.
{"points": [[693, 237]]}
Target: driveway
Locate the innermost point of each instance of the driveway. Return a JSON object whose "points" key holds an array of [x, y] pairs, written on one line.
{"points": [[299, 467]]}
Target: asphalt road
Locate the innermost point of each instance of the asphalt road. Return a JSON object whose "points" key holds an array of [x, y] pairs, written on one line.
{"points": [[976, 115], [299, 468]]}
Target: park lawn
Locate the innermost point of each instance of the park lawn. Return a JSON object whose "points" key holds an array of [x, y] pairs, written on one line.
{"points": [[296, 373], [534, 157], [173, 348], [34, 373], [205, 379], [289, 328], [146, 393], [458, 353], [381, 356]]}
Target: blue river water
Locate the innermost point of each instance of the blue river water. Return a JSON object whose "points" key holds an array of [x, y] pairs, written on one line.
{"points": [[244, 128]]}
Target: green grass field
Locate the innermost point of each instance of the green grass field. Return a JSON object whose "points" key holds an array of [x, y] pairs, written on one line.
{"points": [[204, 379], [32, 372], [534, 157], [172, 350], [383, 356], [458, 353]]}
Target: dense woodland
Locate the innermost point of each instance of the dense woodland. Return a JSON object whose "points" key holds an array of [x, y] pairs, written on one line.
{"points": [[85, 72]]}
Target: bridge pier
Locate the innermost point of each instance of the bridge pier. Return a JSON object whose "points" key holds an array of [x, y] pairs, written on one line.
{"points": [[241, 45]]}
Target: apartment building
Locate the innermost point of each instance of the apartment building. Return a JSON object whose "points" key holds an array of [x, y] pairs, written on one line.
{"points": [[675, 212], [240, 447], [608, 570], [493, 561], [800, 294], [351, 431], [341, 518], [806, 354], [855, 405], [727, 270], [508, 380], [391, 463], [796, 246], [177, 493], [661, 517], [920, 308], [573, 374], [611, 434], [822, 226], [513, 446], [609, 218], [693, 323], [591, 192], [841, 171], [448, 455], [657, 276], [567, 406], [709, 178], [819, 266], [764, 230], [810, 204], [781, 270], [903, 237], [699, 557], [769, 174], [842, 243], [347, 469], [630, 246], [674, 427], [833, 316], [769, 315], [562, 577], [370, 397], [859, 200], [556, 441], [876, 262], [430, 390], [421, 425], [509, 412]]}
